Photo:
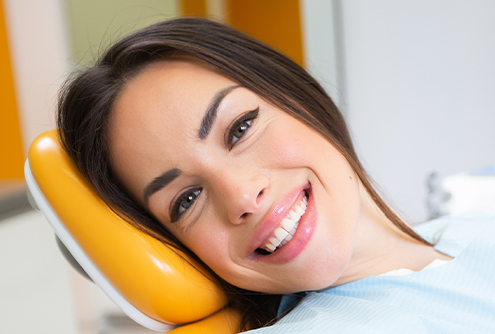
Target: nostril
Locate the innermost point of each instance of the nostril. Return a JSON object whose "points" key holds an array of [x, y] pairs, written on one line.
{"points": [[244, 215], [259, 197]]}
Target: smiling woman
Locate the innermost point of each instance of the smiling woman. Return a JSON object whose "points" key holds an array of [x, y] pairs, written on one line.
{"points": [[224, 193], [216, 144]]}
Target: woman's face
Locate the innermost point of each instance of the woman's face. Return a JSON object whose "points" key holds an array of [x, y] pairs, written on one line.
{"points": [[229, 174]]}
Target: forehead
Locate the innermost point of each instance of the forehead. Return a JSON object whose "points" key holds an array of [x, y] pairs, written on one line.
{"points": [[156, 112], [171, 89]]}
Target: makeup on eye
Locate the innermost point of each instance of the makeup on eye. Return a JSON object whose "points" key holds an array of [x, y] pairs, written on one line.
{"points": [[182, 203], [234, 133], [239, 127]]}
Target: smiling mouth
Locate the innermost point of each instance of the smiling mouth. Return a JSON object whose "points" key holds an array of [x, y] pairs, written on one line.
{"points": [[288, 227]]}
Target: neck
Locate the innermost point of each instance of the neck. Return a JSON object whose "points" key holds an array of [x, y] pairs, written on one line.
{"points": [[380, 247]]}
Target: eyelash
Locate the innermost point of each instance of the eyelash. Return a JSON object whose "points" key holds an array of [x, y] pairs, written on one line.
{"points": [[244, 120], [189, 196]]}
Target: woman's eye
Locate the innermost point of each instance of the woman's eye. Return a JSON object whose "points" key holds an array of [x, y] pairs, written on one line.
{"points": [[240, 127], [183, 203]]}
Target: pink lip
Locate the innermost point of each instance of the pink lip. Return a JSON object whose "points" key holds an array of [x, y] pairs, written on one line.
{"points": [[272, 221]]}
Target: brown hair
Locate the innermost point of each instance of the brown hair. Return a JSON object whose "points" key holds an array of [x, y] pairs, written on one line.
{"points": [[86, 102]]}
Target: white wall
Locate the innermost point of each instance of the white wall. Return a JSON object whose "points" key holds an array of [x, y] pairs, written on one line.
{"points": [[40, 61], [36, 295], [322, 57], [420, 90]]}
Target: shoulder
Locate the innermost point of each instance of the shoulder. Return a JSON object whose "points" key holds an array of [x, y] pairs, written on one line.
{"points": [[324, 313], [377, 304], [452, 234]]}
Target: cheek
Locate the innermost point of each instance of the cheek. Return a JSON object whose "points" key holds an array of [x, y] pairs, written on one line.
{"points": [[213, 244], [293, 146], [210, 243], [300, 147]]}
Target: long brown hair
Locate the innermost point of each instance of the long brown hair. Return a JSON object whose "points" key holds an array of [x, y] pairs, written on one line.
{"points": [[87, 99]]}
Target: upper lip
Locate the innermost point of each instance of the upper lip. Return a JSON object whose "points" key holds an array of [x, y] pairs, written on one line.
{"points": [[273, 219]]}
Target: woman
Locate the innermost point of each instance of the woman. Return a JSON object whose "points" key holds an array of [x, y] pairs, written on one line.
{"points": [[213, 142]]}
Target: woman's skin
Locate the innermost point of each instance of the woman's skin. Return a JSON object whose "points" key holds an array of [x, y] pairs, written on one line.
{"points": [[222, 183]]}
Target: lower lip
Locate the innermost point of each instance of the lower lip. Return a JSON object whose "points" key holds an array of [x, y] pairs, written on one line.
{"points": [[298, 243]]}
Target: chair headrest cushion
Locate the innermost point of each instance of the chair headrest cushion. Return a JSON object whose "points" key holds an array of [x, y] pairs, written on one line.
{"points": [[148, 274]]}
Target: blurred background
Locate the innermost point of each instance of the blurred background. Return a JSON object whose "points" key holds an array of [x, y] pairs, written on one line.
{"points": [[415, 80]]}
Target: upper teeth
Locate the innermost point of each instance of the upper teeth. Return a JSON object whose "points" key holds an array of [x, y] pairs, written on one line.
{"points": [[288, 226]]}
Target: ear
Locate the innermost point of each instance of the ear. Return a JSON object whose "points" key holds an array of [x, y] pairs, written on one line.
{"points": [[153, 285]]}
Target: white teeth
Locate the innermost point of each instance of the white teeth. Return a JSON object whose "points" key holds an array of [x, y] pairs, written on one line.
{"points": [[293, 231], [270, 247], [286, 240], [280, 233], [288, 224], [294, 215], [299, 210], [286, 231]]}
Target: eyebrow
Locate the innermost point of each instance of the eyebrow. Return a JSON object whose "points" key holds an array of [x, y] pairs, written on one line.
{"points": [[206, 123], [160, 182], [211, 112]]}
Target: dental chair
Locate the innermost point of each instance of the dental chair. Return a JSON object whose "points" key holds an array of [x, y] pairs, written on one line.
{"points": [[152, 284]]}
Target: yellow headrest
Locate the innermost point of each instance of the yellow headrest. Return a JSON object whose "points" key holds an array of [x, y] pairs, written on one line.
{"points": [[152, 277]]}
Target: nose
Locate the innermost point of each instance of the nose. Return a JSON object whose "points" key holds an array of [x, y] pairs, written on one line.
{"points": [[241, 193]]}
